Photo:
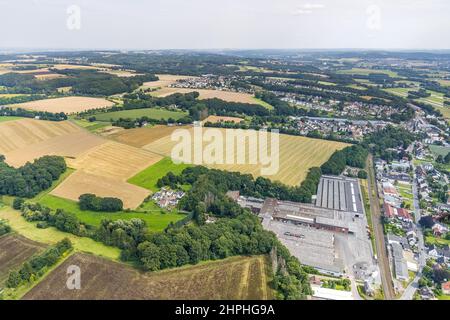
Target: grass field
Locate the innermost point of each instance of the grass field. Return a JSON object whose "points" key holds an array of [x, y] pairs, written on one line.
{"points": [[151, 113], [90, 126], [429, 240], [296, 155], [157, 220], [262, 103], [364, 71], [15, 250], [405, 191], [149, 177], [437, 100], [401, 92], [51, 235], [440, 150], [240, 278], [7, 118]]}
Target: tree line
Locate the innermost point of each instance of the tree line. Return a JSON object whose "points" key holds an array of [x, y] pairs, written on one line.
{"points": [[35, 268], [41, 115]]}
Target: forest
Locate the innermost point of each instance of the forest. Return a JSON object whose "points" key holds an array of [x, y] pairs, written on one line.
{"points": [[32, 178], [83, 82]]}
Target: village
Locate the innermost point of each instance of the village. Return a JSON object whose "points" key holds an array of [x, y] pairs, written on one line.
{"points": [[416, 209]]}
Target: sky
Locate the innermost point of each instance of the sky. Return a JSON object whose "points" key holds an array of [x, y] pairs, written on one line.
{"points": [[224, 24]]}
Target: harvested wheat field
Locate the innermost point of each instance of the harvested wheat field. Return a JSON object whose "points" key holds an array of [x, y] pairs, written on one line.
{"points": [[104, 169], [240, 278], [296, 154], [67, 105], [164, 81], [140, 137], [15, 250], [216, 119], [209, 94], [81, 182], [63, 66], [27, 139]]}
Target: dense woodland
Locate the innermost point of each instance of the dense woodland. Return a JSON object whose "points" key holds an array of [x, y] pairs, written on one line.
{"points": [[83, 82], [32, 178]]}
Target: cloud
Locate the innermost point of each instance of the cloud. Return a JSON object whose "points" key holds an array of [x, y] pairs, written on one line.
{"points": [[308, 8]]}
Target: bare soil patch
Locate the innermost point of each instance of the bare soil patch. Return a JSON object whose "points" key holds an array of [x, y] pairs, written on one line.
{"points": [[15, 250], [240, 278]]}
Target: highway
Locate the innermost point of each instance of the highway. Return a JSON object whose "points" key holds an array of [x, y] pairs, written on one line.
{"points": [[383, 260]]}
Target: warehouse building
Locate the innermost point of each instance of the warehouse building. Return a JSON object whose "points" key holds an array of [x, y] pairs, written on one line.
{"points": [[340, 193]]}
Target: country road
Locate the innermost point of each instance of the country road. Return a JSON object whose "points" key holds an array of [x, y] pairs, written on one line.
{"points": [[383, 260]]}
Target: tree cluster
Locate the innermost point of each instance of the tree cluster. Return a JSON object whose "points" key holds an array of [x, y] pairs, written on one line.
{"points": [[32, 178], [92, 202]]}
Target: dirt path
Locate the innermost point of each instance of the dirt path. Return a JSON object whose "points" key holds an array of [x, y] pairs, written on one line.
{"points": [[383, 260]]}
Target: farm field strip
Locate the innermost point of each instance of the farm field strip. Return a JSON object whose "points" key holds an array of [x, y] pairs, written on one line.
{"points": [[67, 105], [232, 278]]}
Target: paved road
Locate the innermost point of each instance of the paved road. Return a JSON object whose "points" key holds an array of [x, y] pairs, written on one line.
{"points": [[383, 260], [414, 285]]}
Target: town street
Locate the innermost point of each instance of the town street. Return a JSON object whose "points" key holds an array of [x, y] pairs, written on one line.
{"points": [[414, 285], [383, 260]]}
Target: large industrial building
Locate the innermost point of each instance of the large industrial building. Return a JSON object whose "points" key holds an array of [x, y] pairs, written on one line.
{"points": [[339, 193], [310, 231]]}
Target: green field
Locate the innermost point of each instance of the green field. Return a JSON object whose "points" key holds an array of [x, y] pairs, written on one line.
{"points": [[429, 240], [149, 177], [364, 71], [436, 99], [52, 235], [7, 118], [156, 218], [90, 126], [139, 113], [263, 103], [401, 92], [440, 150], [405, 191]]}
